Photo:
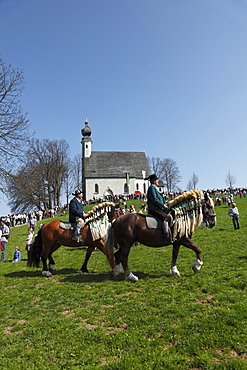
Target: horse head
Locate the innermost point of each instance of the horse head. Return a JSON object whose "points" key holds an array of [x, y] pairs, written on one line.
{"points": [[114, 212], [209, 215]]}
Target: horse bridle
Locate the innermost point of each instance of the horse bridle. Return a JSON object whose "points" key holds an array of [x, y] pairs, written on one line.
{"points": [[206, 214]]}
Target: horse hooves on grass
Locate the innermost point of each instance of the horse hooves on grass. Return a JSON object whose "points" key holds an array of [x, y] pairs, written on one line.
{"points": [[195, 269], [85, 271], [46, 273]]}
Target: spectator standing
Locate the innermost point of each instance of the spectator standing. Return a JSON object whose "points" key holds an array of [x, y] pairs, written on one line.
{"points": [[32, 222], [17, 255], [4, 238], [29, 239], [234, 214]]}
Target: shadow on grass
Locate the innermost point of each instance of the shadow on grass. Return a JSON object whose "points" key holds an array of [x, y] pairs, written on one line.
{"points": [[74, 275], [98, 278]]}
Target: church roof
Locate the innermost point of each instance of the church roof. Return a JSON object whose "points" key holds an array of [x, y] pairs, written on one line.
{"points": [[116, 164]]}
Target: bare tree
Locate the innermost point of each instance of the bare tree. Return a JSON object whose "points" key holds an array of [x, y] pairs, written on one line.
{"points": [[167, 170], [171, 175], [156, 166], [76, 171], [230, 180], [192, 184], [13, 122], [39, 181]]}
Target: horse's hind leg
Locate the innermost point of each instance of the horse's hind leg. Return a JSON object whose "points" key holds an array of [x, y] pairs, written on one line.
{"points": [[45, 271], [51, 264], [47, 253]]}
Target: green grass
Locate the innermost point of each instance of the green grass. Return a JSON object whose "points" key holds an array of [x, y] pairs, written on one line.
{"points": [[88, 321]]}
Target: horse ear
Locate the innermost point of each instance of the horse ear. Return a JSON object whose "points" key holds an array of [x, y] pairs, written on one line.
{"points": [[206, 196]]}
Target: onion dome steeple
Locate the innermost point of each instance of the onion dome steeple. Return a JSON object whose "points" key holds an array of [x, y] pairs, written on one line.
{"points": [[86, 131]]}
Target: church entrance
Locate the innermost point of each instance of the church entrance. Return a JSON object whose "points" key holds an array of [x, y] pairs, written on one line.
{"points": [[108, 193]]}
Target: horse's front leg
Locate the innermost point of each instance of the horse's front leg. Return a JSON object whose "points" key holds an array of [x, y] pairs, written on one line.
{"points": [[197, 264], [88, 255], [129, 276], [100, 245], [175, 250]]}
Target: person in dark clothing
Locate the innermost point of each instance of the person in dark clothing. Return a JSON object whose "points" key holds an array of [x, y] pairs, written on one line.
{"points": [[77, 214], [156, 205]]}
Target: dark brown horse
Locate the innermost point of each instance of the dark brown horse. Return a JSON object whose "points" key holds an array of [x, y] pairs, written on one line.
{"points": [[51, 236], [189, 211]]}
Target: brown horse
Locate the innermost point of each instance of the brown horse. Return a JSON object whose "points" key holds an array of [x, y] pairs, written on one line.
{"points": [[189, 211], [51, 236]]}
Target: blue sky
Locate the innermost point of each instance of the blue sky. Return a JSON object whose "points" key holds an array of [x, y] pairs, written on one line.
{"points": [[167, 77]]}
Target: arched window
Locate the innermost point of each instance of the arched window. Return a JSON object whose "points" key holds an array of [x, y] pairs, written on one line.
{"points": [[96, 189], [137, 186], [126, 188]]}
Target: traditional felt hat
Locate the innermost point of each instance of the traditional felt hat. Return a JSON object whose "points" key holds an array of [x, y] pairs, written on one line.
{"points": [[77, 192], [152, 178]]}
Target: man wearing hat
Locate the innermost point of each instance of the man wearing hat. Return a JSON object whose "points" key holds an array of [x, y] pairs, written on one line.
{"points": [[156, 206], [77, 214]]}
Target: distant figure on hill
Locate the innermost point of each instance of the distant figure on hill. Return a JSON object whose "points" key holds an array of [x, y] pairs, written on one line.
{"points": [[234, 214]]}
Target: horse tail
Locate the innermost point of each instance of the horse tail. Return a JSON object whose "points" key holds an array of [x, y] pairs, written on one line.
{"points": [[110, 247], [35, 252]]}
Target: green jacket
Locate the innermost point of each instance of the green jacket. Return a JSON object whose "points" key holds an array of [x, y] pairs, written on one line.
{"points": [[155, 199]]}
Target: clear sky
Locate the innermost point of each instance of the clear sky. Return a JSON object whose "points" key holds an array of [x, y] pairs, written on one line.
{"points": [[168, 77]]}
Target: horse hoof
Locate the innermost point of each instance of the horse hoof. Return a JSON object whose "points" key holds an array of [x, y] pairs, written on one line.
{"points": [[174, 271], [46, 273], [117, 270], [51, 268], [131, 277], [196, 266], [85, 271]]}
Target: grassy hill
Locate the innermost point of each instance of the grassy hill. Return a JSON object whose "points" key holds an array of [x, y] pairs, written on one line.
{"points": [[80, 321]]}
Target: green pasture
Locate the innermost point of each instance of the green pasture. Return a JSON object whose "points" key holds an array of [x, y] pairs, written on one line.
{"points": [[89, 321]]}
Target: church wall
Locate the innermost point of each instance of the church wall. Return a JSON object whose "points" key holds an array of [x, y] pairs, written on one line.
{"points": [[114, 185]]}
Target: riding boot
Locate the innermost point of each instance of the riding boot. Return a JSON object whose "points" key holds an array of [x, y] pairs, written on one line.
{"points": [[76, 236], [166, 230]]}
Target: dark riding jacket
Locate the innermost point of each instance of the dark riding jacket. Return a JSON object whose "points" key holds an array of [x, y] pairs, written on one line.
{"points": [[76, 210], [155, 199]]}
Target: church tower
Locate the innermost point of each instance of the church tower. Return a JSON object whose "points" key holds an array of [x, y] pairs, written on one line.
{"points": [[86, 151]]}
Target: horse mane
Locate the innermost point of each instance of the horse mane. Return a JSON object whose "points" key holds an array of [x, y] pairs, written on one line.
{"points": [[188, 212]]}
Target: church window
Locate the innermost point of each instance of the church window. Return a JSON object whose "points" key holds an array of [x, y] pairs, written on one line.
{"points": [[126, 188], [96, 188], [137, 186]]}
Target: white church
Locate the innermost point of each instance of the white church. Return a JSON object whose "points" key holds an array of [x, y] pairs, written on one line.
{"points": [[111, 173]]}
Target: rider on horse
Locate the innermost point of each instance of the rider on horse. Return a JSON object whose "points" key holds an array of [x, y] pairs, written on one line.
{"points": [[77, 214], [156, 206]]}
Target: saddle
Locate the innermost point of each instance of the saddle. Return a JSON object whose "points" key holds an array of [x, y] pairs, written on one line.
{"points": [[66, 225], [153, 222]]}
